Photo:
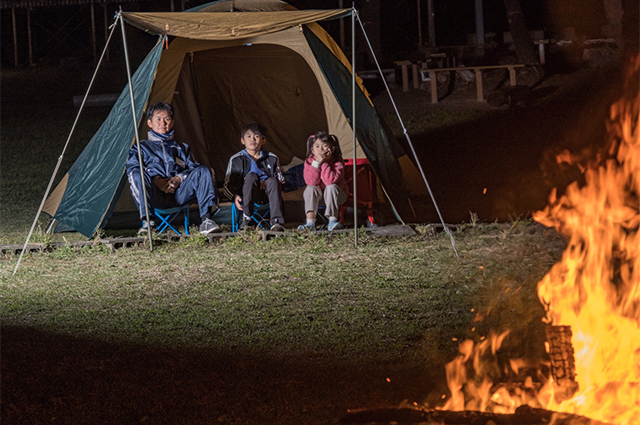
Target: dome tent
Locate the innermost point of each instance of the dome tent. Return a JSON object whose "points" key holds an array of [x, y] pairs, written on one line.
{"points": [[229, 63]]}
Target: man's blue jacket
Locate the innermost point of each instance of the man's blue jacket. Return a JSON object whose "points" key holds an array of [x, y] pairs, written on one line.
{"points": [[162, 158]]}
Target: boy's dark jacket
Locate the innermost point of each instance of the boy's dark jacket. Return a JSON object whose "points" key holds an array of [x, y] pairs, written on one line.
{"points": [[240, 165]]}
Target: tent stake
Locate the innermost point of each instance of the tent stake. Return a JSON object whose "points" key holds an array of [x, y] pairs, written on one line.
{"points": [[64, 149], [135, 128], [406, 135]]}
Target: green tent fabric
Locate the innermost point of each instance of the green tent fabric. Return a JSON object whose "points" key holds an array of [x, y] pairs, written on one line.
{"points": [[95, 176]]}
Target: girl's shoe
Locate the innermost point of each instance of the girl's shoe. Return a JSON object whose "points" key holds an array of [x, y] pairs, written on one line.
{"points": [[308, 226], [334, 225]]}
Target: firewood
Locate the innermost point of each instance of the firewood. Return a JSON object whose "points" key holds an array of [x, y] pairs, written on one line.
{"points": [[524, 415]]}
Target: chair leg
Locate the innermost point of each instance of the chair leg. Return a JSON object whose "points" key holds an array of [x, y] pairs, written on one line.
{"points": [[167, 218], [234, 218]]}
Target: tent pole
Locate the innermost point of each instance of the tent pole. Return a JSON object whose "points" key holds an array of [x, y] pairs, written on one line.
{"points": [[353, 123], [135, 128], [55, 171], [51, 225], [393, 207], [406, 135]]}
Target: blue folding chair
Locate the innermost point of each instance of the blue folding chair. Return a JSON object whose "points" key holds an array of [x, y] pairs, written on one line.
{"points": [[167, 215], [260, 216]]}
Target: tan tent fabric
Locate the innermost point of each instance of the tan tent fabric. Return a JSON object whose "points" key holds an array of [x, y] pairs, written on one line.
{"points": [[248, 6], [222, 141], [53, 201], [224, 26]]}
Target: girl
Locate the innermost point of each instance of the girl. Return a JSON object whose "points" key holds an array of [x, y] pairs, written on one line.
{"points": [[323, 174]]}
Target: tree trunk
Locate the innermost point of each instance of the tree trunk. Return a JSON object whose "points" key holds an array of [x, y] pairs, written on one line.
{"points": [[522, 42], [614, 12]]}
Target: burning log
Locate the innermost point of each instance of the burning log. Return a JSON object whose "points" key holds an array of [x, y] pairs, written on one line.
{"points": [[524, 415], [563, 364]]}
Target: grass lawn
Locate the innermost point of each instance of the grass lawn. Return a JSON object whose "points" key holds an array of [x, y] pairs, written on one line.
{"points": [[295, 330]]}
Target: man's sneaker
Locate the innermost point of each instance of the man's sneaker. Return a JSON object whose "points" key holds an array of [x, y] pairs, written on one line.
{"points": [[145, 229], [277, 227], [334, 225], [309, 226], [245, 224], [209, 226]]}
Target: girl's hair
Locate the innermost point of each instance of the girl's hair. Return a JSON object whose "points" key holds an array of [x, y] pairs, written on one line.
{"points": [[325, 138]]}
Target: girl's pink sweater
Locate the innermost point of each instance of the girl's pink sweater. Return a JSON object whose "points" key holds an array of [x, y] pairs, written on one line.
{"points": [[328, 173]]}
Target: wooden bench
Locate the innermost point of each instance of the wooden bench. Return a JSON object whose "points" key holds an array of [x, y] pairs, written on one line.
{"points": [[434, 83], [478, 70]]}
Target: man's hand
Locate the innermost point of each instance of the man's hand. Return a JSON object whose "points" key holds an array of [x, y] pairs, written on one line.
{"points": [[174, 183], [238, 202], [162, 183], [166, 184]]}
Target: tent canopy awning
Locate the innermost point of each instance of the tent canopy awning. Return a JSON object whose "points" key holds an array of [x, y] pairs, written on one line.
{"points": [[227, 25]]}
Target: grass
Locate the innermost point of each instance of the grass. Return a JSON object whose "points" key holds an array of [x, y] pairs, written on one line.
{"points": [[325, 321], [295, 330]]}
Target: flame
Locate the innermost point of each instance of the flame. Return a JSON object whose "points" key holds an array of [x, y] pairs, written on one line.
{"points": [[594, 289]]}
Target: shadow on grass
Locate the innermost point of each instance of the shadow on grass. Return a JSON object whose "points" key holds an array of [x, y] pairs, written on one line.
{"points": [[50, 378]]}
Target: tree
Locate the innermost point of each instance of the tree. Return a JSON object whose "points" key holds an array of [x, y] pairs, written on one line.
{"points": [[522, 42]]}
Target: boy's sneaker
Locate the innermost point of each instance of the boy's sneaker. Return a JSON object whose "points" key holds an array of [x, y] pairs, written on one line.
{"points": [[277, 227], [334, 225], [145, 229], [309, 226], [209, 226], [245, 224]]}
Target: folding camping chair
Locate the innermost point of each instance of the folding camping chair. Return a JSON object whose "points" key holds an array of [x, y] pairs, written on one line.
{"points": [[366, 183], [167, 215], [260, 216]]}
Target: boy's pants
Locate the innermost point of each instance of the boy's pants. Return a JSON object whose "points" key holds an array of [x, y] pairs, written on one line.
{"points": [[254, 190], [333, 196], [197, 186]]}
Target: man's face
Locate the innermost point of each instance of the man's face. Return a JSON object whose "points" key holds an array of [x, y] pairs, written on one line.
{"points": [[252, 141], [161, 122]]}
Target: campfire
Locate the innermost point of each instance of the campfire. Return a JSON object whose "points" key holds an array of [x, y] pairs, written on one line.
{"points": [[592, 303], [591, 297]]}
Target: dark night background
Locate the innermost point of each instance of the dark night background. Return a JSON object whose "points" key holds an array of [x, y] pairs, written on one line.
{"points": [[62, 36], [64, 32]]}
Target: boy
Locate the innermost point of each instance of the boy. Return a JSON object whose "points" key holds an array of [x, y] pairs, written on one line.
{"points": [[254, 174], [171, 176]]}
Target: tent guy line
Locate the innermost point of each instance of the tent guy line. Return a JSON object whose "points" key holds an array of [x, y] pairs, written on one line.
{"points": [[406, 135], [64, 149]]}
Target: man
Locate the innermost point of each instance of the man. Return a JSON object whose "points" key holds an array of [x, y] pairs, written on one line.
{"points": [[171, 177]]}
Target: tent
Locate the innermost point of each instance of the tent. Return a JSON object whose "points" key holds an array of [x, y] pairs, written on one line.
{"points": [[221, 65]]}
